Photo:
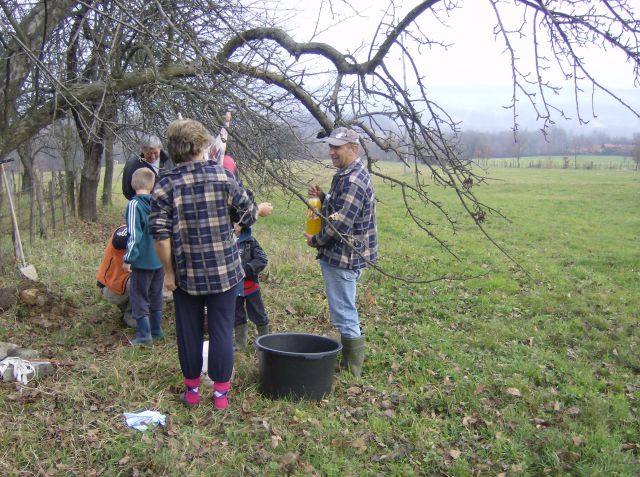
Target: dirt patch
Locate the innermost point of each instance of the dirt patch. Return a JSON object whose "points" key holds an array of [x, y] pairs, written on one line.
{"points": [[8, 298], [39, 304]]}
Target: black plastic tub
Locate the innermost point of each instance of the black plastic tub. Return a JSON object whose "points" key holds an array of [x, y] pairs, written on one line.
{"points": [[296, 365]]}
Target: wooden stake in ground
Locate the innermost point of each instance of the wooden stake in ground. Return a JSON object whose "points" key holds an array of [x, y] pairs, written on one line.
{"points": [[28, 271]]}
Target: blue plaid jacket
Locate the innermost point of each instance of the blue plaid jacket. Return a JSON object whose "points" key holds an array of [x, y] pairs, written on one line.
{"points": [[190, 206], [350, 240]]}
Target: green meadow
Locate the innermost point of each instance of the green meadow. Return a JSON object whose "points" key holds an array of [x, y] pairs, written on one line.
{"points": [[496, 366]]}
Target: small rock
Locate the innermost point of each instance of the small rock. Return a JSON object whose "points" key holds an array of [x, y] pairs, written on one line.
{"points": [[30, 296], [6, 347], [24, 353], [7, 375], [8, 298], [42, 369]]}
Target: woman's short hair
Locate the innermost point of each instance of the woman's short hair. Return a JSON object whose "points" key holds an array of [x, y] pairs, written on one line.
{"points": [[186, 138]]}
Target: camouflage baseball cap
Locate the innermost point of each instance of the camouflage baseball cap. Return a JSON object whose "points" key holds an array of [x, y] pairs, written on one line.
{"points": [[340, 136]]}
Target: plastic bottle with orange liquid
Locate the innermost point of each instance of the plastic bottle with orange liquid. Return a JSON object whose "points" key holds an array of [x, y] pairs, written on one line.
{"points": [[314, 221]]}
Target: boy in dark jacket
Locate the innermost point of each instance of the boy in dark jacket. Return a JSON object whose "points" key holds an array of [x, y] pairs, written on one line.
{"points": [[147, 273], [249, 302]]}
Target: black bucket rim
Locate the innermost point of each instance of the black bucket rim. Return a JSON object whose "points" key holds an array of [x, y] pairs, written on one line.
{"points": [[260, 347]]}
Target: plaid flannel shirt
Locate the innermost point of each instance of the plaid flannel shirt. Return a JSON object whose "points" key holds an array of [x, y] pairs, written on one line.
{"points": [[350, 207], [190, 206]]}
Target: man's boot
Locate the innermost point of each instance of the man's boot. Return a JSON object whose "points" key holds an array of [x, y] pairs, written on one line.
{"points": [[156, 324], [263, 330], [353, 350], [143, 336], [240, 336]]}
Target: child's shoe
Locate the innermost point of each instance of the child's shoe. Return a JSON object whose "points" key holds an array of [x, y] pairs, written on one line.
{"points": [[220, 395], [191, 397]]}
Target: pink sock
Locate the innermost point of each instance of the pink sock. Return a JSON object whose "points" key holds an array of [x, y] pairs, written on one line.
{"points": [[191, 395], [220, 391]]}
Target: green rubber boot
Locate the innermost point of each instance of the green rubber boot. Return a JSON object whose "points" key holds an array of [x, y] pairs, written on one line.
{"points": [[263, 330], [240, 336], [353, 350]]}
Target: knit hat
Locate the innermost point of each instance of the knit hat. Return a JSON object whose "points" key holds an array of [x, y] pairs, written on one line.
{"points": [[120, 236]]}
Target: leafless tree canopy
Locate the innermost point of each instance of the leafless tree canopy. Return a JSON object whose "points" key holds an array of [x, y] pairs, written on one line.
{"points": [[124, 66]]}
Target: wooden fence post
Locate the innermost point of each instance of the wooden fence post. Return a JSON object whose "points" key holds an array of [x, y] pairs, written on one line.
{"points": [[52, 201]]}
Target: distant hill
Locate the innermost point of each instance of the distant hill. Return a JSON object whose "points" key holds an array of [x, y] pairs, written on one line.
{"points": [[482, 108]]}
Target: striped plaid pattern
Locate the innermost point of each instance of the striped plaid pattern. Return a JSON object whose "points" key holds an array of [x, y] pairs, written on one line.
{"points": [[190, 206], [350, 207]]}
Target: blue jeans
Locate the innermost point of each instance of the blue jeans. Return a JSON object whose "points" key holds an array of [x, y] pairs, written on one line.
{"points": [[340, 284]]}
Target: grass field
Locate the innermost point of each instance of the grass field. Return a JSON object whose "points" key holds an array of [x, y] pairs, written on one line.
{"points": [[520, 370]]}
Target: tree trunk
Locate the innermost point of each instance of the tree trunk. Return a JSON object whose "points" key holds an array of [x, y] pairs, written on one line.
{"points": [[32, 211], [107, 185], [70, 183], [63, 195], [24, 153], [42, 205], [2, 193], [88, 207]]}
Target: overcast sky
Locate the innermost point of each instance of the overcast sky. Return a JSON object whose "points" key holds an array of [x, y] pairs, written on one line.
{"points": [[472, 78]]}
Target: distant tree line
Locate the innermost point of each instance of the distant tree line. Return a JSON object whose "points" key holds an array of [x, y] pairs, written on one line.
{"points": [[556, 142]]}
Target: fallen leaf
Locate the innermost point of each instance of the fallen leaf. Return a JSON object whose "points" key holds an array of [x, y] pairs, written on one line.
{"points": [[275, 440], [469, 421], [540, 423], [124, 460], [568, 456], [577, 440], [360, 445], [574, 411], [514, 392], [455, 453], [354, 390], [289, 458]]}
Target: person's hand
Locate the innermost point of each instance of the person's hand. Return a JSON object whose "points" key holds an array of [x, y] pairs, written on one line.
{"points": [[308, 237], [237, 228], [264, 209], [169, 281], [126, 267], [314, 191]]}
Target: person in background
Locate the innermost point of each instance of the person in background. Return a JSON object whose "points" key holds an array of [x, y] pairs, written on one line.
{"points": [[147, 273], [152, 158], [195, 241], [112, 279], [347, 242], [249, 302]]}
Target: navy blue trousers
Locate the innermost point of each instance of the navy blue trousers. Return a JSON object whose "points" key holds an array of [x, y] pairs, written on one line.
{"points": [[145, 291], [253, 307], [190, 312]]}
